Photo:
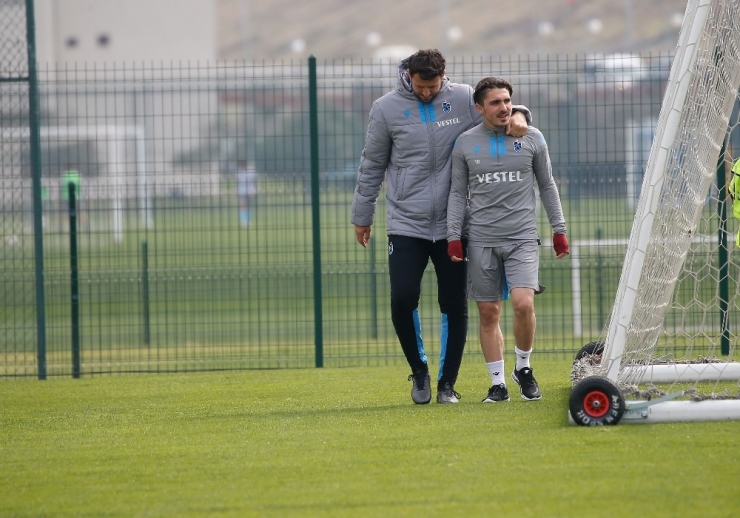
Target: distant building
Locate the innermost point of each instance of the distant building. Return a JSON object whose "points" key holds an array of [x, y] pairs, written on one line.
{"points": [[114, 76], [95, 31]]}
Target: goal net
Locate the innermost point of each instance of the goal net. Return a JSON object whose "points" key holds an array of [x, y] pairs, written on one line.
{"points": [[676, 314]]}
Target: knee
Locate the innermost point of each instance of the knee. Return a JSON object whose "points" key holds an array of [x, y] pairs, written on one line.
{"points": [[523, 308], [457, 306], [489, 316], [404, 300]]}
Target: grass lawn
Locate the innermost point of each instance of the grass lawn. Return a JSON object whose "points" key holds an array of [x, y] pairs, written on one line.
{"points": [[343, 442]]}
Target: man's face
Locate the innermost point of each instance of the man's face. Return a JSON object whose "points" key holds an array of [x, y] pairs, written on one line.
{"points": [[496, 108], [426, 89]]}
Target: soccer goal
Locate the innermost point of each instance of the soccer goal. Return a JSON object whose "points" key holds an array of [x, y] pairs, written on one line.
{"points": [[667, 352]]}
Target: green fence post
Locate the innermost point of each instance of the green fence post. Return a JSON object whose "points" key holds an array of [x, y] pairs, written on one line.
{"points": [[145, 290], [74, 279], [315, 212], [724, 269], [34, 124], [373, 290], [599, 280]]}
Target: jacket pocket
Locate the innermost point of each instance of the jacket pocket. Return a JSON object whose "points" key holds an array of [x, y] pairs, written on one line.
{"points": [[399, 184]]}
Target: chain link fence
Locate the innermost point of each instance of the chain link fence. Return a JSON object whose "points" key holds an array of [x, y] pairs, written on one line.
{"points": [[19, 312]]}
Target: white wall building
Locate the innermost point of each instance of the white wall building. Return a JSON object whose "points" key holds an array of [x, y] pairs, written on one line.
{"points": [[96, 31], [133, 83]]}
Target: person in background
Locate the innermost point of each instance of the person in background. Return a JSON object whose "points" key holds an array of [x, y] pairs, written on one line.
{"points": [[246, 190], [734, 190], [70, 177], [408, 145], [494, 176]]}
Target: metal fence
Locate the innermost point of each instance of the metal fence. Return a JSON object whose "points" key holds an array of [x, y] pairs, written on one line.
{"points": [[159, 270]]}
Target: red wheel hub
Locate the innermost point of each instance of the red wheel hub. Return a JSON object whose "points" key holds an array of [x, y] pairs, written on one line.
{"points": [[596, 403]]}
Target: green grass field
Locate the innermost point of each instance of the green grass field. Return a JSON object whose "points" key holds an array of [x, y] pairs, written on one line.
{"points": [[344, 442]]}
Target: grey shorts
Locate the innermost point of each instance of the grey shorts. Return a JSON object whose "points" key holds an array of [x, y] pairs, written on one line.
{"points": [[492, 271]]}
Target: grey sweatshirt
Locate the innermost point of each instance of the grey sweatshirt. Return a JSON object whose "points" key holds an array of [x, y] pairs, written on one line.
{"points": [[408, 144], [498, 173]]}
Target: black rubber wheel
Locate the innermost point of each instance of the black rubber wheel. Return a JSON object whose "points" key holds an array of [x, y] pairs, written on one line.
{"points": [[596, 401], [591, 349]]}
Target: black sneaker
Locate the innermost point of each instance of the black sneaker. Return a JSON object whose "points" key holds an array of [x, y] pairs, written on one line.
{"points": [[447, 394], [497, 393], [527, 384], [421, 391]]}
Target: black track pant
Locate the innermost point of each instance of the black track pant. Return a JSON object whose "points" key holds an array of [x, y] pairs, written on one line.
{"points": [[407, 260]]}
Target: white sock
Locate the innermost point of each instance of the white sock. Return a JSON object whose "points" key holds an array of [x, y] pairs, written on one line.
{"points": [[497, 372], [522, 358]]}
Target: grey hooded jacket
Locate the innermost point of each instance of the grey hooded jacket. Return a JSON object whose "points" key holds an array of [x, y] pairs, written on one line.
{"points": [[409, 144]]}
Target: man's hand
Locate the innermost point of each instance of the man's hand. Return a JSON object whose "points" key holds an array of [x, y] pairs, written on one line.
{"points": [[455, 251], [560, 244], [363, 234], [517, 126]]}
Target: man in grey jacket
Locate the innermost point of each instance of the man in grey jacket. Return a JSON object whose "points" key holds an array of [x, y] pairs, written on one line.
{"points": [[409, 140], [494, 177]]}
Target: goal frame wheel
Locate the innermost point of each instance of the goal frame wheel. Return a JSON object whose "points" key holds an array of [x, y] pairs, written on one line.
{"points": [[596, 401], [591, 349]]}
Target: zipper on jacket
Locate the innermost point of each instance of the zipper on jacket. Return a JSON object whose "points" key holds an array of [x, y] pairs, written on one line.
{"points": [[428, 117], [497, 146]]}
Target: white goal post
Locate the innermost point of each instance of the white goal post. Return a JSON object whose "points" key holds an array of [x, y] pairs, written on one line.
{"points": [[114, 139], [692, 134]]}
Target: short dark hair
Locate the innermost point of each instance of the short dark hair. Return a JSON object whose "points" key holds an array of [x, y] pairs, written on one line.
{"points": [[428, 63], [489, 83]]}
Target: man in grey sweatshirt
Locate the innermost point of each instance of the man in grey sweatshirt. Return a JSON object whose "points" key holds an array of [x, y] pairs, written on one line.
{"points": [[494, 177], [409, 140]]}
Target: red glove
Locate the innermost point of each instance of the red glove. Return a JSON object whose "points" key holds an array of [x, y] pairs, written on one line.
{"points": [[454, 248], [560, 244]]}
